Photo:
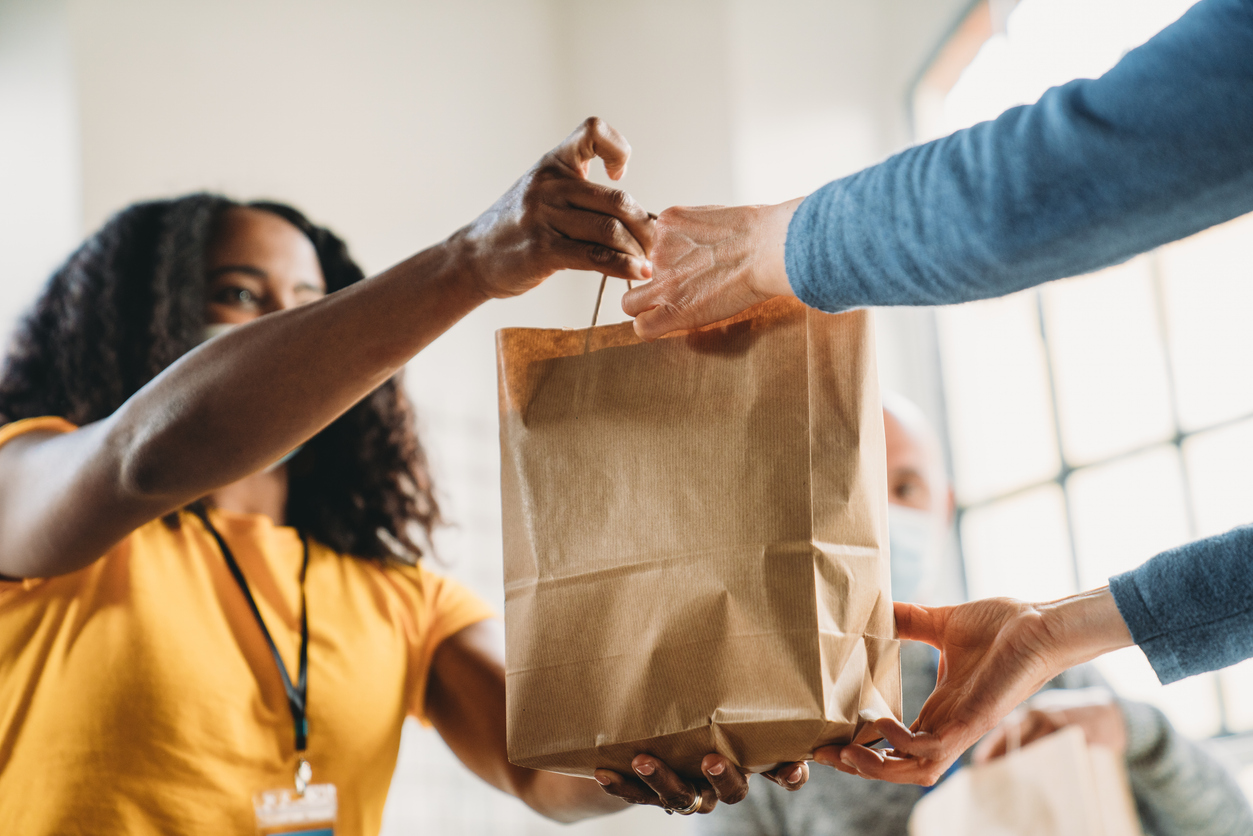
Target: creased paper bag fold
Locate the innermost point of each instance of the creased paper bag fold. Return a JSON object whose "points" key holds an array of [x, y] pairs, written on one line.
{"points": [[695, 541]]}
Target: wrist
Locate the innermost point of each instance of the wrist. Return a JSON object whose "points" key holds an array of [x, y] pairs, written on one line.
{"points": [[770, 277], [1085, 626], [465, 252]]}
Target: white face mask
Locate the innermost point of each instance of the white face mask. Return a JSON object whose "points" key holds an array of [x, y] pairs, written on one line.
{"points": [[916, 539], [217, 329]]}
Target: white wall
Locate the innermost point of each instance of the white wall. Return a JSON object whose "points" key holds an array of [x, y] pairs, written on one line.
{"points": [[40, 215], [395, 122]]}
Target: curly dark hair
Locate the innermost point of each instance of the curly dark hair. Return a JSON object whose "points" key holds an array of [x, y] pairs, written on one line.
{"points": [[131, 300]]}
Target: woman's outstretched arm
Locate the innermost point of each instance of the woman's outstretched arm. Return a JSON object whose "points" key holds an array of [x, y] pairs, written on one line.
{"points": [[241, 401]]}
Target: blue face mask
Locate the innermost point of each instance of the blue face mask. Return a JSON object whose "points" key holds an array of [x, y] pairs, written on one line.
{"points": [[915, 540]]}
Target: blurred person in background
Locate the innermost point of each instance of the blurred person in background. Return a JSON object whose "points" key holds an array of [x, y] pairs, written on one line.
{"points": [[1179, 789], [1095, 172], [212, 505]]}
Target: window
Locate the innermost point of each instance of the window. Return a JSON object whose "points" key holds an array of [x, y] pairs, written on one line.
{"points": [[1099, 420]]}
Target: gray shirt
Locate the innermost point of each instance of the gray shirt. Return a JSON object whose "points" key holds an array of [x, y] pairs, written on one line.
{"points": [[1179, 789]]}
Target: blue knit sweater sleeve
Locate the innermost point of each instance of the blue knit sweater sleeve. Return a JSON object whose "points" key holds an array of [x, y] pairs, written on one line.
{"points": [[1095, 172], [1191, 609]]}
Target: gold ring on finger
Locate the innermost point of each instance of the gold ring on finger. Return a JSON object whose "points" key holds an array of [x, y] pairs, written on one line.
{"points": [[689, 809]]}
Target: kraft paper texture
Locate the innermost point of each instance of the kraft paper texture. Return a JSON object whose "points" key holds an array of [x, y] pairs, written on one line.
{"points": [[695, 536]]}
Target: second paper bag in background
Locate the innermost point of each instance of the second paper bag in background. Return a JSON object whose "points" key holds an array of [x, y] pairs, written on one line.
{"points": [[1056, 786], [695, 541]]}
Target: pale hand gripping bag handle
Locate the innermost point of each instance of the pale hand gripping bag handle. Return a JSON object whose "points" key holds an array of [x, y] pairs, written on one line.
{"points": [[695, 538], [1055, 786]]}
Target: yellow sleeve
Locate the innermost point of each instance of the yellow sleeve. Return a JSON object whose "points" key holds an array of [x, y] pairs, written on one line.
{"points": [[30, 425], [450, 608], [11, 431]]}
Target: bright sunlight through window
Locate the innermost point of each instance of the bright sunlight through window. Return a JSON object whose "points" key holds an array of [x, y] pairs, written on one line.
{"points": [[1102, 419]]}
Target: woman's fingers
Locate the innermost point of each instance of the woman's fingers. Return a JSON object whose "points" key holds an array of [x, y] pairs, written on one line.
{"points": [[629, 789], [790, 776], [726, 779], [655, 783], [634, 222], [595, 228], [595, 138], [581, 255], [674, 793]]}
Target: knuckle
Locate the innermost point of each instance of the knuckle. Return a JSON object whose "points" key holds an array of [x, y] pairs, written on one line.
{"points": [[608, 227], [621, 201], [600, 255], [593, 124]]}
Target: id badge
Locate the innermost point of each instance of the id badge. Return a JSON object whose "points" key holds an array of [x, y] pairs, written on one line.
{"points": [[290, 813]]}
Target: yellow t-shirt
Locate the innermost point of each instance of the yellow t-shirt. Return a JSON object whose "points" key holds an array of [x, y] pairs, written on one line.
{"points": [[138, 696]]}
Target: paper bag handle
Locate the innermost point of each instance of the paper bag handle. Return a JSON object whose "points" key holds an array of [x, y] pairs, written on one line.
{"points": [[600, 294]]}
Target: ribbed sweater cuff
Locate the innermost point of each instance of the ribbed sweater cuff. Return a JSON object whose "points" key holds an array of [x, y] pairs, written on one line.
{"points": [[1144, 629]]}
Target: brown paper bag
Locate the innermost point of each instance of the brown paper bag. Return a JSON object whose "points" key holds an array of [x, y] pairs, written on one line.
{"points": [[1055, 786], [695, 541]]}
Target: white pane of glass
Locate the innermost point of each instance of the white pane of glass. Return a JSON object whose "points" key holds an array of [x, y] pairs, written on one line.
{"points": [[1237, 684], [1000, 415], [1109, 362], [1220, 464], [1018, 547], [1125, 512], [1208, 281], [1191, 704]]}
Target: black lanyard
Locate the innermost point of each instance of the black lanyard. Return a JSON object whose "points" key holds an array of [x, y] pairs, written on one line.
{"points": [[297, 695]]}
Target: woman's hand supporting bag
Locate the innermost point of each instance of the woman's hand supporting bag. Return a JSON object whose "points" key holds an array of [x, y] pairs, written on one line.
{"points": [[655, 784]]}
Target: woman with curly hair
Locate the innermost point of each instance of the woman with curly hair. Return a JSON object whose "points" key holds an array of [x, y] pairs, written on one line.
{"points": [[212, 503]]}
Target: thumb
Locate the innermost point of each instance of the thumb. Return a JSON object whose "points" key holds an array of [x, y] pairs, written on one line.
{"points": [[917, 623], [657, 322]]}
